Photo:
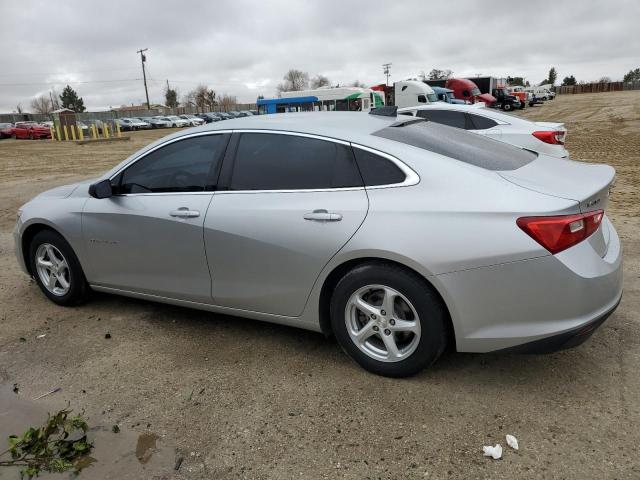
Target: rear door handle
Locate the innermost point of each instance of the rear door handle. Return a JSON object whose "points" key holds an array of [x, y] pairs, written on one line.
{"points": [[184, 212], [322, 215]]}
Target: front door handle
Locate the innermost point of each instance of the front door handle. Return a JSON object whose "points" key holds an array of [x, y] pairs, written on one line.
{"points": [[322, 215], [184, 212]]}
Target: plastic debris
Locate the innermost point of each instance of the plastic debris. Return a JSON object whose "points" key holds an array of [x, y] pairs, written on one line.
{"points": [[512, 442], [107, 335], [493, 452], [57, 389], [42, 336]]}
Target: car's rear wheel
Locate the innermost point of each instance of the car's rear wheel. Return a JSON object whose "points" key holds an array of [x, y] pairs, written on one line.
{"points": [[57, 269], [388, 319]]}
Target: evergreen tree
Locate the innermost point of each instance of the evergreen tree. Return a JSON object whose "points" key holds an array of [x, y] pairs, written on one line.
{"points": [[71, 100]]}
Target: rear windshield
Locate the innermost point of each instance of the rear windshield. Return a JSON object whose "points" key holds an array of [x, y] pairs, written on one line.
{"points": [[458, 144]]}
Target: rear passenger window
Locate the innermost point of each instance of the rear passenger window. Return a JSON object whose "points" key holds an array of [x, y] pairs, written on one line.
{"points": [[288, 162], [445, 117], [481, 123], [377, 170]]}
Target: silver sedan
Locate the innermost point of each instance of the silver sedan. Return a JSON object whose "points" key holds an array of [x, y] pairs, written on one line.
{"points": [[399, 236]]}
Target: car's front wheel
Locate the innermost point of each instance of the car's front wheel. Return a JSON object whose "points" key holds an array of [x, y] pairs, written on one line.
{"points": [[57, 269], [388, 319]]}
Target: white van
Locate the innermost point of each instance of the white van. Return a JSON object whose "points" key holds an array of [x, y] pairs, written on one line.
{"points": [[541, 92]]}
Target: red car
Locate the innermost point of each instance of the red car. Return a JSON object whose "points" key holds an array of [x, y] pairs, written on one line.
{"points": [[5, 130], [30, 130]]}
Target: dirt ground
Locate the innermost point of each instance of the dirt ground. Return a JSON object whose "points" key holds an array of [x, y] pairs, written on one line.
{"points": [[238, 398]]}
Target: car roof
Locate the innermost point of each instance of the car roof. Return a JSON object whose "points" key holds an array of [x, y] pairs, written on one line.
{"points": [[347, 126]]}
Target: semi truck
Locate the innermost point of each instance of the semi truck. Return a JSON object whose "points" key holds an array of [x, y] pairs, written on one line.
{"points": [[497, 87], [407, 93], [464, 89]]}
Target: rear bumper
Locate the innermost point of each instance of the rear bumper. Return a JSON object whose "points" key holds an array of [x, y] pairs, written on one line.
{"points": [[562, 341], [526, 303]]}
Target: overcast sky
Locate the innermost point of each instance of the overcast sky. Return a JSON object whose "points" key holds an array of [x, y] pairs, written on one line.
{"points": [[244, 48]]}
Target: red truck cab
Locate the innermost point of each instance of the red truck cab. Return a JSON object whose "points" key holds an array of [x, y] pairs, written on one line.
{"points": [[464, 89]]}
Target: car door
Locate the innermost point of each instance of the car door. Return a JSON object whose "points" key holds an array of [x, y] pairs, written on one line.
{"points": [[148, 237], [288, 203]]}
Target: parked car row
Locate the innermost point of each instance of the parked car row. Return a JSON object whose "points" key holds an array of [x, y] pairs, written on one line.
{"points": [[210, 117], [25, 130]]}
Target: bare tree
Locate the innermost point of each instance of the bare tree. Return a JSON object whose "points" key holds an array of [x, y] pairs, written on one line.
{"points": [[210, 98], [294, 80], [437, 74], [42, 105], [357, 83], [171, 97], [604, 79], [19, 108], [189, 98], [55, 98], [227, 101], [320, 81]]}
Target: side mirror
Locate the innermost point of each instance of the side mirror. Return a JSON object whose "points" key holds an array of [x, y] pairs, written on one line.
{"points": [[101, 189]]}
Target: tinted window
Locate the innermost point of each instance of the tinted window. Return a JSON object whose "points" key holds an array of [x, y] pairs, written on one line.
{"points": [[288, 162], [481, 123], [446, 117], [182, 166], [377, 170], [422, 99], [463, 146]]}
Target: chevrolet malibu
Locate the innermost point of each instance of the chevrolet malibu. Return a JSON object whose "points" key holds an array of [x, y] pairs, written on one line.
{"points": [[399, 236]]}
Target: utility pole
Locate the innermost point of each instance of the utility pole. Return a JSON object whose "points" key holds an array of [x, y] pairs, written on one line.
{"points": [[143, 59], [53, 105], [385, 69]]}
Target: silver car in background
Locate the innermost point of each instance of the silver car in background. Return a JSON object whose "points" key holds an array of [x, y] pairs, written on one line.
{"points": [[397, 235]]}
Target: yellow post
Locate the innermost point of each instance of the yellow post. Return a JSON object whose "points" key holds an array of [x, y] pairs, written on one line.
{"points": [[80, 133], [105, 130], [73, 133], [94, 132], [66, 133], [118, 129], [58, 132], [53, 135]]}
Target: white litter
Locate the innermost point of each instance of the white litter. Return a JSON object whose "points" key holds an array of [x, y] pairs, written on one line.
{"points": [[493, 452], [512, 442], [42, 336]]}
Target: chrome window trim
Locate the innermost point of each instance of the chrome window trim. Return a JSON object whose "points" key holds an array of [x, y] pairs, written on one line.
{"points": [[411, 177]]}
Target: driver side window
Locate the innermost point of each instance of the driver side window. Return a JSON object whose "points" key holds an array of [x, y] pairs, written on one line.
{"points": [[188, 165]]}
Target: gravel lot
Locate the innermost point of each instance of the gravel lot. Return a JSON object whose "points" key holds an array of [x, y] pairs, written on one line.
{"points": [[243, 399]]}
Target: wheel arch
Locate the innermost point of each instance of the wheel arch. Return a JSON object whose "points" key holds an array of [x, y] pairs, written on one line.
{"points": [[27, 237], [339, 271]]}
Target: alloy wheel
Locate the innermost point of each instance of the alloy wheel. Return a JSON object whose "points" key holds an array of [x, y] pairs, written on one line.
{"points": [[53, 269], [382, 323]]}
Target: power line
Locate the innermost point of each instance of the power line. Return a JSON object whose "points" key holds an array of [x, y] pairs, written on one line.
{"points": [[68, 82]]}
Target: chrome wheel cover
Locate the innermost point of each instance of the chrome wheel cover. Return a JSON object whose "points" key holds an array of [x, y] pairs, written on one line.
{"points": [[53, 269], [382, 323]]}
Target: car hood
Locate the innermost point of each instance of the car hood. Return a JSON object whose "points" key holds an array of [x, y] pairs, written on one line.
{"points": [[62, 192]]}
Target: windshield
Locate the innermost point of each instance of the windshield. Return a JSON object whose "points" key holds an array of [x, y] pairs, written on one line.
{"points": [[475, 92], [460, 145], [432, 97]]}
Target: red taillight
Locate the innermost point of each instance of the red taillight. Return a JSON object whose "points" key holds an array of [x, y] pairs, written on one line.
{"points": [[561, 232], [554, 137]]}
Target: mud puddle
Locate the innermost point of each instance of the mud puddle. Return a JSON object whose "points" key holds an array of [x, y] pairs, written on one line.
{"points": [[127, 454]]}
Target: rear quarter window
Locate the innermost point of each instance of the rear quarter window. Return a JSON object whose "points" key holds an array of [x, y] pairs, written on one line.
{"points": [[460, 145]]}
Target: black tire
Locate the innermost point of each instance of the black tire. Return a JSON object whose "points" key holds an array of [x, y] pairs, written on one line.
{"points": [[78, 291], [432, 316], [507, 107]]}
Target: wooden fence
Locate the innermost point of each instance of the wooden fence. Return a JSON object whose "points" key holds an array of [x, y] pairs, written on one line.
{"points": [[598, 87]]}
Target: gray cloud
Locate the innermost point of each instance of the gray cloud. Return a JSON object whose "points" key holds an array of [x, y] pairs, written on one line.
{"points": [[243, 47]]}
